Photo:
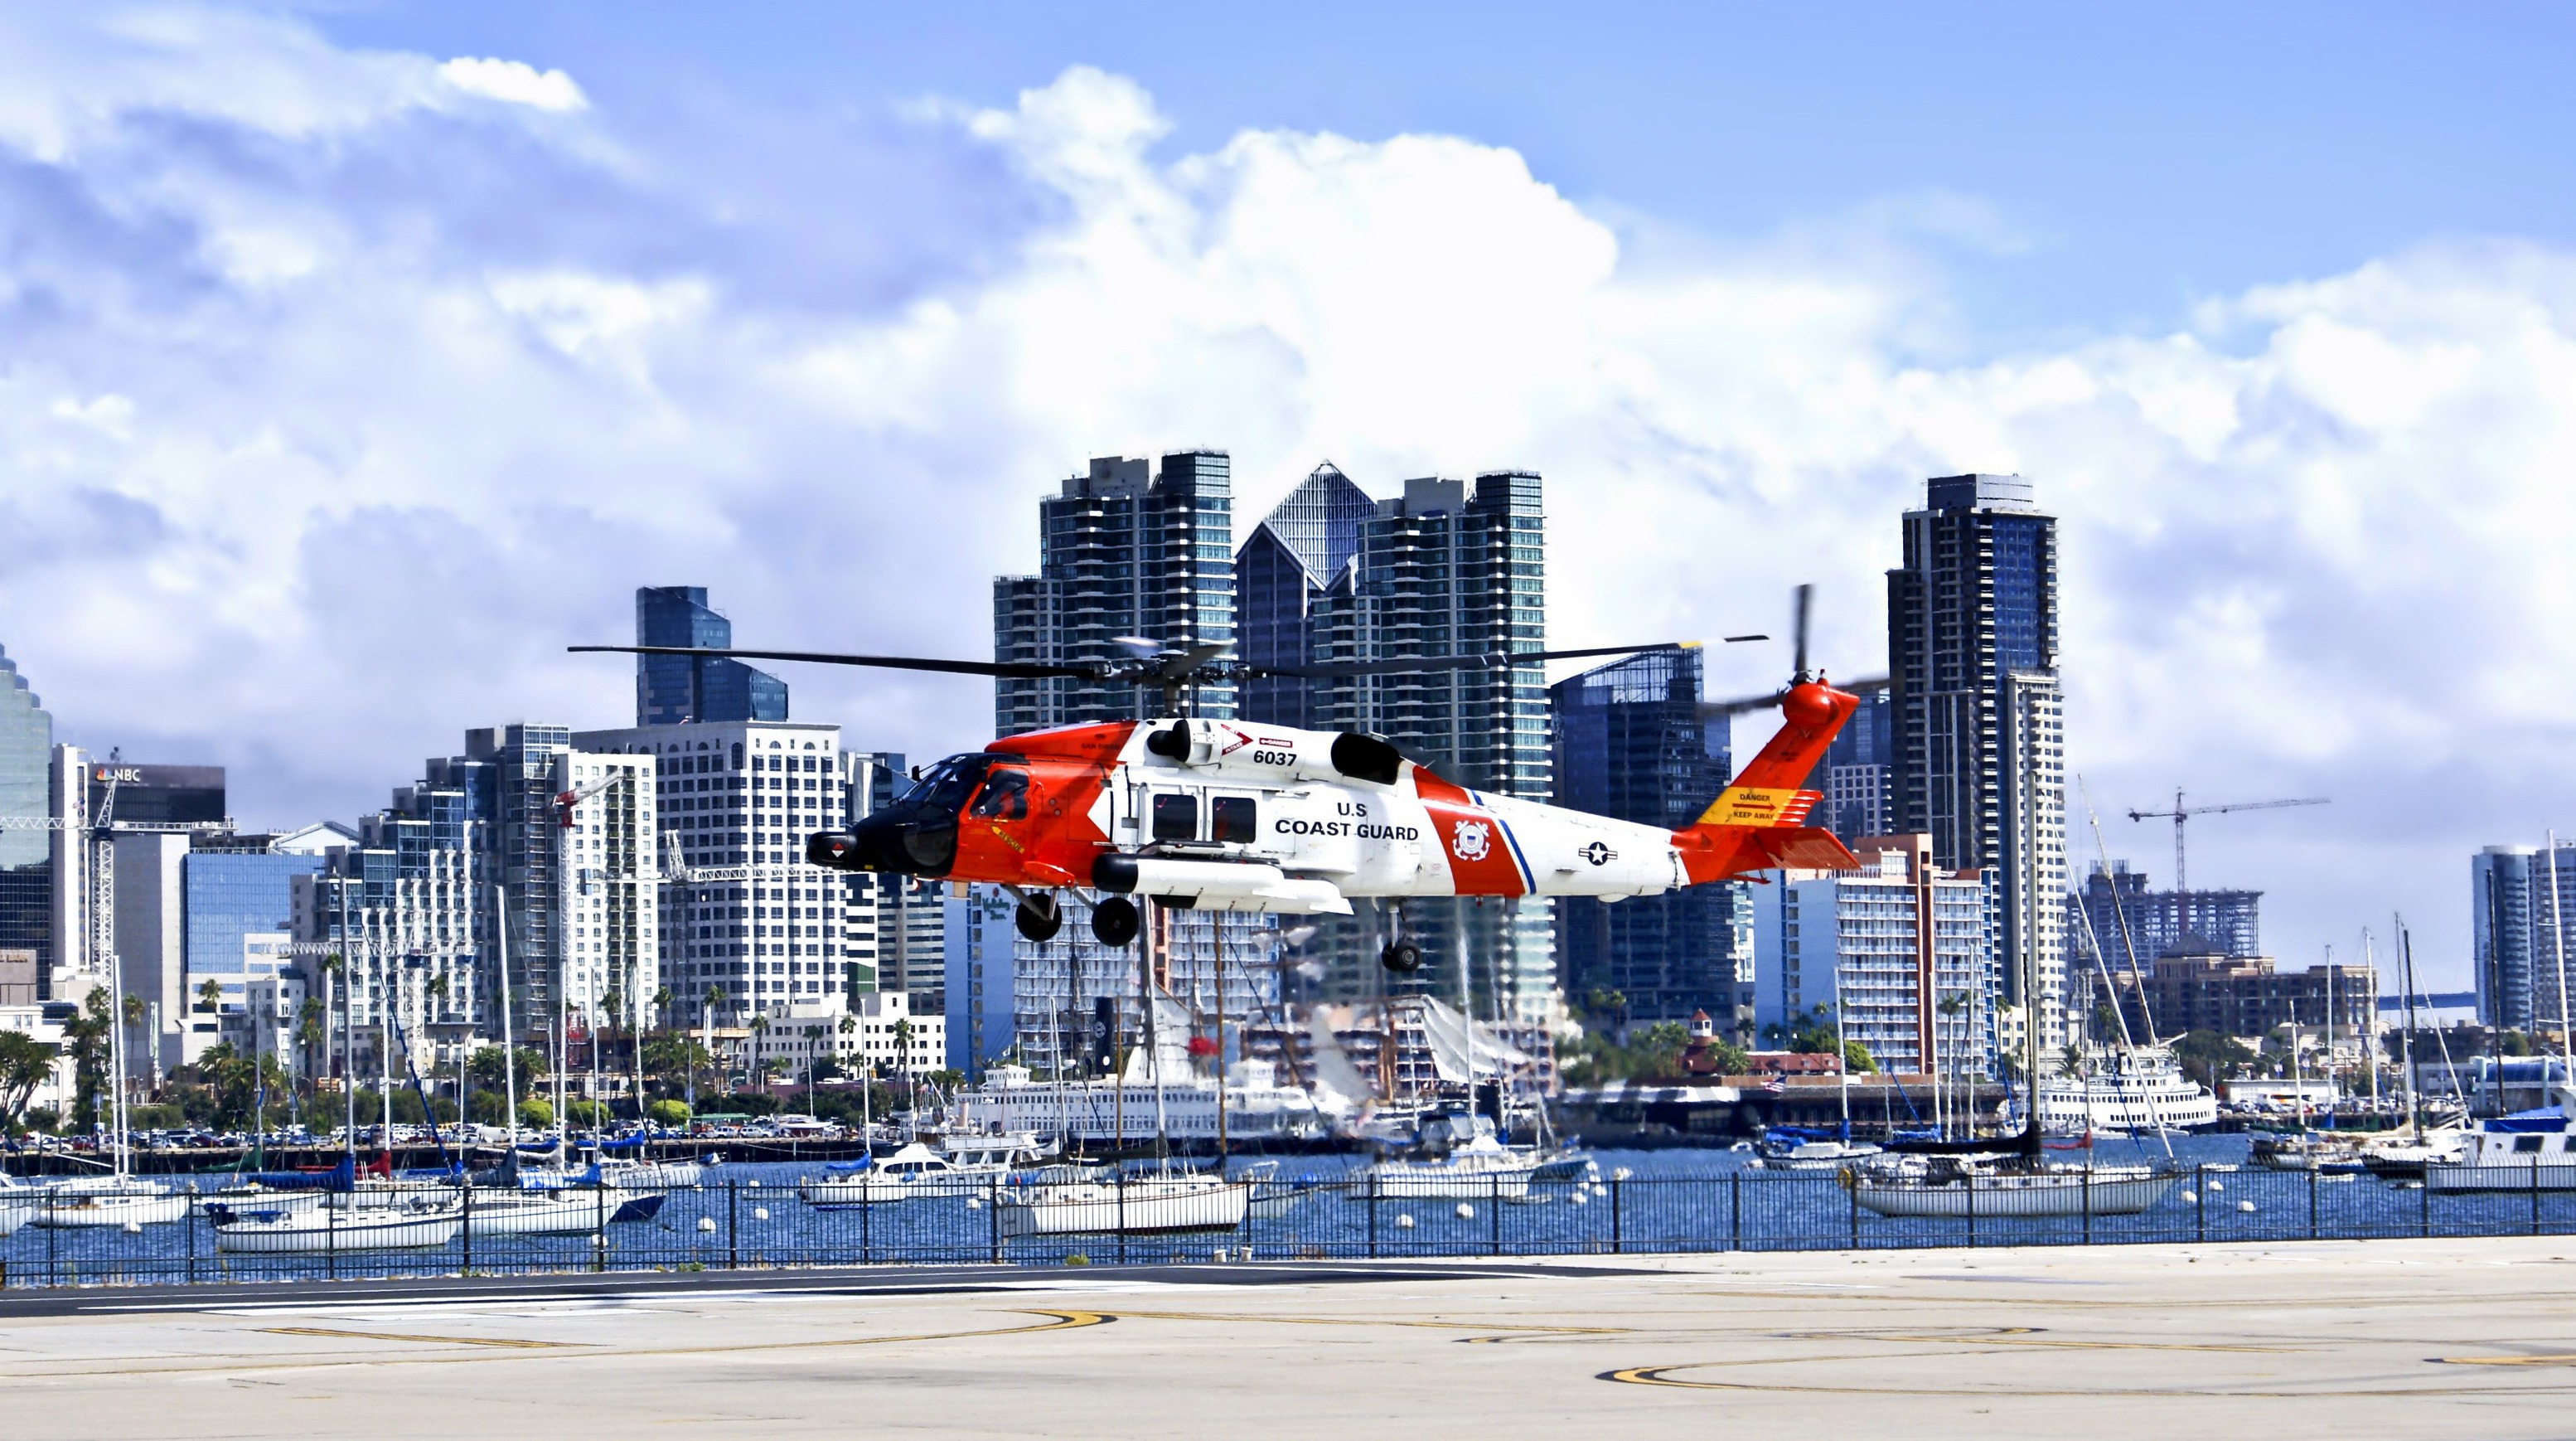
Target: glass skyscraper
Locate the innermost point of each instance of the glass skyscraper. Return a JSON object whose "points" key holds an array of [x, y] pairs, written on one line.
{"points": [[1120, 554], [1978, 760], [1300, 552], [1442, 569], [671, 689], [1630, 744], [26, 865]]}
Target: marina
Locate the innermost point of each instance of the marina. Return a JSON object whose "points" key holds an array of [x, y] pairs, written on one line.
{"points": [[1312, 1209]]}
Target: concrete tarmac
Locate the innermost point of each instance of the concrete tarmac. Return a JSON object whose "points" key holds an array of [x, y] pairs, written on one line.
{"points": [[2379, 1338]]}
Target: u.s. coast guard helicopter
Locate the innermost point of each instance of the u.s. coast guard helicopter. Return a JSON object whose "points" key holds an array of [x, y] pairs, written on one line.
{"points": [[1243, 816]]}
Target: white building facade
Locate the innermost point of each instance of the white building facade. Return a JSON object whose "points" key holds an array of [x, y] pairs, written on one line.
{"points": [[1900, 949]]}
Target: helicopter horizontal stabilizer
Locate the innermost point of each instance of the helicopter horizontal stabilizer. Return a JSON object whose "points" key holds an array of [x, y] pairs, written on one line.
{"points": [[1806, 848]]}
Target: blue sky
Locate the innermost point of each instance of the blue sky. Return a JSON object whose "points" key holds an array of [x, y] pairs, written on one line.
{"points": [[356, 359], [2075, 167]]}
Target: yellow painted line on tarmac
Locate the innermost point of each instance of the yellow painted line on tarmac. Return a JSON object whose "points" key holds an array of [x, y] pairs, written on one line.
{"points": [[572, 1351], [1376, 1321], [2326, 1388], [404, 1336], [2028, 1336], [2550, 1360]]}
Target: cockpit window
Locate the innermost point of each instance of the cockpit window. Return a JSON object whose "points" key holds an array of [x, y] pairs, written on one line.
{"points": [[945, 786], [1005, 796]]}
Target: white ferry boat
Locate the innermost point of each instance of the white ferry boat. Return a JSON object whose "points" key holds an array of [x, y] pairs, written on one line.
{"points": [[1127, 1112], [2141, 1098]]}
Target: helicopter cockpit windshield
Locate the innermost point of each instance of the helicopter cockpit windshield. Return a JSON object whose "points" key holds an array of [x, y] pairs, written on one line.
{"points": [[944, 787]]}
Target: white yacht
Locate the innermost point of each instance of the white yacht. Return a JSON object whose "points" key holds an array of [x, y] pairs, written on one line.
{"points": [[2508, 1159], [418, 1223], [1953, 1187], [1151, 1204], [1479, 1169], [914, 1173], [2144, 1096]]}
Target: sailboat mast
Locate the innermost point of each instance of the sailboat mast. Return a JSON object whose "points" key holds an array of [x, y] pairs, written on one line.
{"points": [[509, 1042], [2558, 942], [2406, 1048]]}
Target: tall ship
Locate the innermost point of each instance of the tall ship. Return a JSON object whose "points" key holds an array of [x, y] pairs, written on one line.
{"points": [[2143, 1094], [1135, 1109]]}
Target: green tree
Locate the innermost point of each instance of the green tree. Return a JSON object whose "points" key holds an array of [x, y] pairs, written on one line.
{"points": [[673, 1114], [25, 1064], [210, 995], [536, 1115], [86, 1036], [484, 1067], [1857, 1060], [2210, 1057]]}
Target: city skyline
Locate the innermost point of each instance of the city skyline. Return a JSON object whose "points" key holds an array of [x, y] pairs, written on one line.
{"points": [[635, 314]]}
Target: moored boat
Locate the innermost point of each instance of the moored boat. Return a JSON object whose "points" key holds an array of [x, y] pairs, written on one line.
{"points": [[1144, 1205], [413, 1225], [1954, 1188]]}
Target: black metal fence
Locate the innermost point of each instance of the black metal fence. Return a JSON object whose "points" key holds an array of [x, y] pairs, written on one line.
{"points": [[742, 1223]]}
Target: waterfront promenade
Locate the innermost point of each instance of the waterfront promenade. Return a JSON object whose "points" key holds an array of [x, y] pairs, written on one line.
{"points": [[2413, 1337]]}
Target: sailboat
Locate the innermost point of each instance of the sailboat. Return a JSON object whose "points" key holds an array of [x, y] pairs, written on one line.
{"points": [[1162, 1201], [2020, 1183], [118, 1199]]}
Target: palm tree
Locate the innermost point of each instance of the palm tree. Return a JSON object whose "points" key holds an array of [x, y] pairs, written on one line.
{"points": [[134, 1014], [210, 995], [662, 1000], [87, 1033]]}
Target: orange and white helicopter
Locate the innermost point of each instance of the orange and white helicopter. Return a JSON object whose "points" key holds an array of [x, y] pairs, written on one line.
{"points": [[1242, 816]]}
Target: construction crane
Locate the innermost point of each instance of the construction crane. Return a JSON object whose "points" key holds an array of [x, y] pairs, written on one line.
{"points": [[2181, 813]]}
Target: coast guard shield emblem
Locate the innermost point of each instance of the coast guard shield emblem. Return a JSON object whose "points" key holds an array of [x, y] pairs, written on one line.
{"points": [[1471, 840]]}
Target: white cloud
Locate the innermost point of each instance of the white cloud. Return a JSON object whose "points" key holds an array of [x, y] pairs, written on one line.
{"points": [[364, 479], [514, 82]]}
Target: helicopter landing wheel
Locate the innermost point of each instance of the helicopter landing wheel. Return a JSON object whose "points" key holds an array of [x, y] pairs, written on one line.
{"points": [[1113, 921], [1403, 958], [1039, 916]]}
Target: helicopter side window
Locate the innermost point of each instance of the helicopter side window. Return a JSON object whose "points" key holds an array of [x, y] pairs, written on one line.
{"points": [[1232, 818], [1176, 817], [1005, 797]]}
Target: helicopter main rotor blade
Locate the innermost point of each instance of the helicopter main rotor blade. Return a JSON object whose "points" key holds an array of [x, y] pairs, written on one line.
{"points": [[1006, 670], [1743, 705], [1488, 660]]}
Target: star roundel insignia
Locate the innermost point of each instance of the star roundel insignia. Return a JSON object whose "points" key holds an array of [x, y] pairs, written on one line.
{"points": [[1598, 854]]}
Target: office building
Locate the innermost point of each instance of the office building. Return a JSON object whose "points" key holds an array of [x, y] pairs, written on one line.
{"points": [[1901, 949], [679, 689], [1120, 554], [1441, 569], [2118, 915], [2522, 923], [2244, 996], [26, 849], [1977, 759], [897, 924], [1630, 744], [895, 1038], [757, 929], [1047, 1001], [1301, 551]]}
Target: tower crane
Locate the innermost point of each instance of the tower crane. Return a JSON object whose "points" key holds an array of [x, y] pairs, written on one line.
{"points": [[2181, 813]]}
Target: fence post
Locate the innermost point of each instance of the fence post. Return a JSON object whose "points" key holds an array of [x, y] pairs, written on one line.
{"points": [[1969, 1178], [2088, 1198], [1851, 1189], [599, 1225], [331, 1232], [2424, 1204], [1494, 1205], [192, 1237], [993, 1205], [1372, 1212], [465, 1229], [2535, 1195], [53, 1263], [866, 1211], [2200, 1201], [2312, 1199], [1617, 1241], [1735, 1212], [1122, 1215], [733, 1219]]}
